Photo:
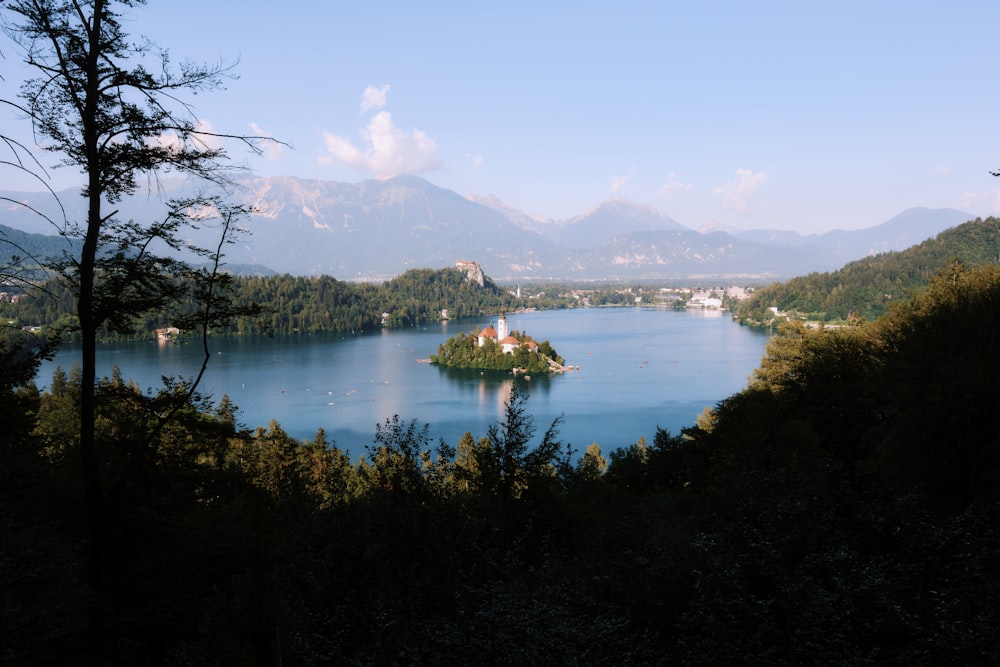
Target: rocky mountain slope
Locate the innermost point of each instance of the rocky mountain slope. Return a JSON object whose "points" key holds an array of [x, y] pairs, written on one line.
{"points": [[375, 229]]}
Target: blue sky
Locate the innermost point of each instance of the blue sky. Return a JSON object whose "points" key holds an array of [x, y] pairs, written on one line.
{"points": [[790, 115]]}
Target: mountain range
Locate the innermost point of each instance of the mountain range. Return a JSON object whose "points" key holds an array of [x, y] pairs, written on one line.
{"points": [[377, 229]]}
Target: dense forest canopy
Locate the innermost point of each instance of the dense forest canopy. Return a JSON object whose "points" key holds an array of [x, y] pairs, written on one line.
{"points": [[314, 304], [867, 287], [31, 252], [296, 304], [842, 508]]}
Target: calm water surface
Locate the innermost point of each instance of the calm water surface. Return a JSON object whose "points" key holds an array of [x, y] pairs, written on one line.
{"points": [[639, 368]]}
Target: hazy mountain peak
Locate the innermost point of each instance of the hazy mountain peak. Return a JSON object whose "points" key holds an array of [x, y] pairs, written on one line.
{"points": [[613, 218], [924, 216], [716, 226], [544, 226], [497, 204], [908, 228], [620, 205], [377, 229]]}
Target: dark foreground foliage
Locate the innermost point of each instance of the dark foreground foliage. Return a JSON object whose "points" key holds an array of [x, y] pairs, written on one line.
{"points": [[843, 509]]}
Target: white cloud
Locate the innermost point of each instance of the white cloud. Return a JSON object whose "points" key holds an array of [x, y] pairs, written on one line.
{"points": [[204, 137], [341, 149], [619, 181], [203, 212], [977, 201], [374, 98], [673, 185], [169, 140], [273, 150], [969, 200], [735, 194], [476, 159], [385, 150], [201, 138], [388, 151]]}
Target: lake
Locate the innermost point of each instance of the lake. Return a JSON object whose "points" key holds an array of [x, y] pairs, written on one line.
{"points": [[639, 368]]}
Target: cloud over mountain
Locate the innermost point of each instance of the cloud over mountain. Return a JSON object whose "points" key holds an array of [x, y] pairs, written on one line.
{"points": [[273, 150], [735, 195], [672, 185], [385, 150]]}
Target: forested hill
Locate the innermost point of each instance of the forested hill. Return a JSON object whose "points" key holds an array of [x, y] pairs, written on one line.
{"points": [[297, 304], [30, 250], [868, 286]]}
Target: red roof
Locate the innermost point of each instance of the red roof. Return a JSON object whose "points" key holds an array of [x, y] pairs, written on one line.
{"points": [[488, 332], [510, 340]]}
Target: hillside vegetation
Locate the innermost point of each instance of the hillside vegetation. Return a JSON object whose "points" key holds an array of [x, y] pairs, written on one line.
{"points": [[31, 251], [292, 304], [842, 509], [867, 287]]}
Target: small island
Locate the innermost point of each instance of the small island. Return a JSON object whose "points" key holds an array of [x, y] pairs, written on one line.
{"points": [[498, 349]]}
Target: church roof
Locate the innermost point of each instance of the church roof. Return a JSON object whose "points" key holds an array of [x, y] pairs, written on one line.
{"points": [[510, 340], [488, 332]]}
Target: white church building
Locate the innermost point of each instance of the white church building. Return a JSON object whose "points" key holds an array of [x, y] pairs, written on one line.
{"points": [[499, 335]]}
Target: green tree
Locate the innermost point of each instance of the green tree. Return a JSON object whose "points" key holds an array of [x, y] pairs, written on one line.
{"points": [[467, 455], [509, 466], [593, 464], [396, 456], [330, 476], [96, 104]]}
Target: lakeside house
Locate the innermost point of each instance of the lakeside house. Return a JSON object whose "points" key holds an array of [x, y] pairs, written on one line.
{"points": [[704, 300], [167, 333]]}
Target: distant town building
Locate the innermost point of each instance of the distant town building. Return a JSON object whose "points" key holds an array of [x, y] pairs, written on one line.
{"points": [[704, 300], [739, 293]]}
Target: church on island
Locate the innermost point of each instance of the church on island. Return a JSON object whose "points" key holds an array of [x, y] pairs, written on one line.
{"points": [[501, 335], [499, 349]]}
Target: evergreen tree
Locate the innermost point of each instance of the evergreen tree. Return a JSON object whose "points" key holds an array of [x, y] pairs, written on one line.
{"points": [[95, 103], [508, 465]]}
